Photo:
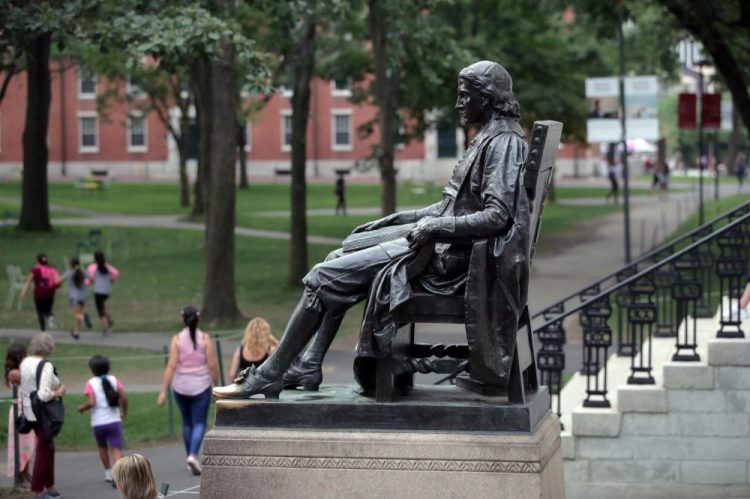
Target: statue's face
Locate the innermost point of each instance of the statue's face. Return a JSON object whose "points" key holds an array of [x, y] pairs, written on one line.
{"points": [[470, 104]]}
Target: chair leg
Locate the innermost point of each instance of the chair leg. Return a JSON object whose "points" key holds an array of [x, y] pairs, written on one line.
{"points": [[516, 392], [383, 381]]}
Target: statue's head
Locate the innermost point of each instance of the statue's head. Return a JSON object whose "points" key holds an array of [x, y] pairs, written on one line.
{"points": [[494, 86]]}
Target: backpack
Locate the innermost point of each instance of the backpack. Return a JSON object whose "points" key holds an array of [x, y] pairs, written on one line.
{"points": [[46, 281], [49, 415]]}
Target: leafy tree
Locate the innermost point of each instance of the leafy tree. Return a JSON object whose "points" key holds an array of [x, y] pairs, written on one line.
{"points": [[213, 43], [28, 31]]}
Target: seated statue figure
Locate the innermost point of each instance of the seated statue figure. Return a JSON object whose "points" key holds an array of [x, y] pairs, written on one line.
{"points": [[485, 199]]}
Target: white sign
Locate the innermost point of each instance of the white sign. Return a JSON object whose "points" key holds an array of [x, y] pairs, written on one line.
{"points": [[602, 99]]}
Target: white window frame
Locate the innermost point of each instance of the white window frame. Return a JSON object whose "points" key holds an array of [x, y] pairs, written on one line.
{"points": [[286, 92], [86, 95], [88, 149], [334, 145], [284, 113], [130, 146], [341, 92], [248, 136]]}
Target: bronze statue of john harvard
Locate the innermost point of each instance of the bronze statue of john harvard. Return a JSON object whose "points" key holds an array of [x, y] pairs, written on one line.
{"points": [[485, 199]]}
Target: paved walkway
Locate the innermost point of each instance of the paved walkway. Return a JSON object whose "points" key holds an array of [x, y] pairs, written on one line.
{"points": [[596, 250]]}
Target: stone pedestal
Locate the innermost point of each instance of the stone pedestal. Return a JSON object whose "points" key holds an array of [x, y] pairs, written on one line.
{"points": [[335, 460]]}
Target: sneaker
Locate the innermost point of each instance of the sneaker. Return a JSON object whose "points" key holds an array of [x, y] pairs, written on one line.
{"points": [[193, 464], [87, 321], [75, 335], [52, 494]]}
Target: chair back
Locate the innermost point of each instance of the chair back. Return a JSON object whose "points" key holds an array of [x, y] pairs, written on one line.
{"points": [[540, 166], [15, 275]]}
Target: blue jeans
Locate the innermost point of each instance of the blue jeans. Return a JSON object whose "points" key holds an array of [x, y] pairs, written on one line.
{"points": [[194, 410]]}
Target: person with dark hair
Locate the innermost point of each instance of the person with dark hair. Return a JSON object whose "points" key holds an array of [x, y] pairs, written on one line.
{"points": [[192, 370], [485, 198], [77, 285], [26, 441], [102, 276], [46, 280], [106, 398]]}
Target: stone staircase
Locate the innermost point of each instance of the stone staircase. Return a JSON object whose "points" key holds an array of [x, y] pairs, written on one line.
{"points": [[686, 436]]}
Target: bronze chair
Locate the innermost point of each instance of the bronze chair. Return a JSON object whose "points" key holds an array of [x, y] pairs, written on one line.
{"points": [[394, 372]]}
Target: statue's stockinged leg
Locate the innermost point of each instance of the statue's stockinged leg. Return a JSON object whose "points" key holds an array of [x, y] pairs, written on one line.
{"points": [[306, 370], [267, 379]]}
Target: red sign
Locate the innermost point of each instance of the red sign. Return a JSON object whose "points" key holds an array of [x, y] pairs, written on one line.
{"points": [[686, 111], [711, 114]]}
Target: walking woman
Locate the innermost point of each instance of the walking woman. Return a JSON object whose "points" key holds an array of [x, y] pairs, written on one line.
{"points": [[102, 275], [192, 369], [77, 285], [43, 474], [46, 280]]}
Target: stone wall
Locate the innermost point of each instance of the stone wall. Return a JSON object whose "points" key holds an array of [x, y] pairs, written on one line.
{"points": [[687, 436]]}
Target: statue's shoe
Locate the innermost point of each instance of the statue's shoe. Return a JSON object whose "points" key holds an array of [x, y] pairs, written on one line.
{"points": [[308, 376], [249, 383]]}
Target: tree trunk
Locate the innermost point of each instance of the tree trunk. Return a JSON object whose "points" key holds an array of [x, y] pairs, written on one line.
{"points": [[386, 95], [182, 151], [219, 299], [303, 64], [35, 201], [201, 82], [242, 154]]}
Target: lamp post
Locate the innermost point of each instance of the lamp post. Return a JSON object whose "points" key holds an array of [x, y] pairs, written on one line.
{"points": [[623, 134], [700, 142]]}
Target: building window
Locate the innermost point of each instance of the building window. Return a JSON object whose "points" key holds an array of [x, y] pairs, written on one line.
{"points": [[447, 146], [86, 85], [88, 133], [341, 88], [286, 130], [286, 91], [137, 133], [341, 132]]}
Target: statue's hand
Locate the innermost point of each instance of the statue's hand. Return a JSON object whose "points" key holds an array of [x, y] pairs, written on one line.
{"points": [[391, 219], [424, 232]]}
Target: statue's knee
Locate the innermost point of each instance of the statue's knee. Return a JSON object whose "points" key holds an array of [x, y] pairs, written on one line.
{"points": [[334, 254]]}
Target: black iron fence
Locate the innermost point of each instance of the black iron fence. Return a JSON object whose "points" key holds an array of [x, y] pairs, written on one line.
{"points": [[665, 299]]}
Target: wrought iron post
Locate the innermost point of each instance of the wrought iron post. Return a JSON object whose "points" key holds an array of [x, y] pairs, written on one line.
{"points": [[730, 268], [623, 297], [641, 319], [705, 254], [686, 292], [551, 357], [664, 278], [597, 338], [585, 295]]}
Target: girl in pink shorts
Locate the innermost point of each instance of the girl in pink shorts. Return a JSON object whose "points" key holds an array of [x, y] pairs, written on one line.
{"points": [[109, 406]]}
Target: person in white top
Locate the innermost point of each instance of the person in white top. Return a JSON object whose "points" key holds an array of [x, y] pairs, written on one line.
{"points": [[109, 407], [41, 347]]}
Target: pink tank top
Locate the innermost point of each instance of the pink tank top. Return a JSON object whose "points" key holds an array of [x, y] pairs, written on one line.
{"points": [[193, 375]]}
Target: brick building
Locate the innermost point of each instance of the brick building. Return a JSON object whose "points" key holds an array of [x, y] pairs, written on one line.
{"points": [[129, 144]]}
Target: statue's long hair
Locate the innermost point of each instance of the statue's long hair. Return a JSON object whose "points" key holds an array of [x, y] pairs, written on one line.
{"points": [[503, 102]]}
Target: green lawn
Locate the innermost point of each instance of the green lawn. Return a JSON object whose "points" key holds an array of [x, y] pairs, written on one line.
{"points": [[163, 270], [146, 423]]}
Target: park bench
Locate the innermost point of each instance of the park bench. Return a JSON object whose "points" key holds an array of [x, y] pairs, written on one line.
{"points": [[90, 183], [391, 372]]}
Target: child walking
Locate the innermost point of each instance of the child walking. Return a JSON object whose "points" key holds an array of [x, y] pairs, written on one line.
{"points": [[109, 407], [102, 275], [77, 285]]}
